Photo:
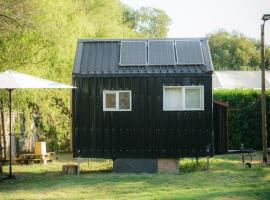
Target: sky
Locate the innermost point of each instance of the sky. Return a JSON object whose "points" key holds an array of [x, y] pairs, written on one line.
{"points": [[197, 18]]}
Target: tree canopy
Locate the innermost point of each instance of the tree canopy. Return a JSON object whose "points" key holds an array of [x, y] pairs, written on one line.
{"points": [[39, 38], [147, 21], [235, 51]]}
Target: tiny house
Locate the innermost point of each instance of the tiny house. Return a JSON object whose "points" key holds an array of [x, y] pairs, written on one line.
{"points": [[142, 98]]}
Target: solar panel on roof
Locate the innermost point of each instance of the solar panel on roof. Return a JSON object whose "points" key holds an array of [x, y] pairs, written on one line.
{"points": [[161, 53], [189, 52], [133, 53]]}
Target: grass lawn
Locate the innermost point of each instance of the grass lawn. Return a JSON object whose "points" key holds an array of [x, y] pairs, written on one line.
{"points": [[227, 179]]}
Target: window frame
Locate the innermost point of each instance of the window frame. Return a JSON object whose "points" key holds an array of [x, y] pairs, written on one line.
{"points": [[183, 96], [116, 92]]}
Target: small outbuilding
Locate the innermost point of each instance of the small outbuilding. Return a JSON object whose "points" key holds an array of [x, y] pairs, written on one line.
{"points": [[142, 98]]}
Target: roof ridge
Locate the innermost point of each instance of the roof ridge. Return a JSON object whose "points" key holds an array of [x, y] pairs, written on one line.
{"points": [[139, 39]]}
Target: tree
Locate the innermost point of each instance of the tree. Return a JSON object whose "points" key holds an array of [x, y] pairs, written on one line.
{"points": [[15, 22], [13, 15], [147, 21], [234, 51], [39, 38]]}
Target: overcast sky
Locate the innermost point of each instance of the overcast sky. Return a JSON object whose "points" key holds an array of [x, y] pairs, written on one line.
{"points": [[196, 18]]}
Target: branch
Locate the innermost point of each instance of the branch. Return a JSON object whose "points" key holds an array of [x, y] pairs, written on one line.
{"points": [[6, 30], [8, 5], [10, 19]]}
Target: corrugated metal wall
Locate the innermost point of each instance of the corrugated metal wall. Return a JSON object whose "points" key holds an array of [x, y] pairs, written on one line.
{"points": [[145, 132], [220, 126]]}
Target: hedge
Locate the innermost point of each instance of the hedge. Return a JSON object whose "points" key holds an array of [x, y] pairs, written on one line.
{"points": [[244, 117]]}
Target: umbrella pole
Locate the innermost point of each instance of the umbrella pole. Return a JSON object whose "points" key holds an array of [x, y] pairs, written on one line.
{"points": [[10, 164]]}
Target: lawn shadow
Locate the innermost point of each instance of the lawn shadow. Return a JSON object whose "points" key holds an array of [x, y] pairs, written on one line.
{"points": [[93, 171], [236, 194]]}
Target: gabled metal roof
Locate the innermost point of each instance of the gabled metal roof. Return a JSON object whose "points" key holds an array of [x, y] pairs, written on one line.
{"points": [[103, 56]]}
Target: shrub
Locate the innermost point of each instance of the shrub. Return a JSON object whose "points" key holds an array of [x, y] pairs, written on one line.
{"points": [[244, 116]]}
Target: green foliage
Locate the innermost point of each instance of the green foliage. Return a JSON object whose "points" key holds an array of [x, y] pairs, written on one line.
{"points": [[234, 51], [39, 38], [14, 15], [147, 21], [244, 117]]}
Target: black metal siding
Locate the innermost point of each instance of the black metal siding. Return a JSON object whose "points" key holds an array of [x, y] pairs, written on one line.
{"points": [[220, 126], [145, 132]]}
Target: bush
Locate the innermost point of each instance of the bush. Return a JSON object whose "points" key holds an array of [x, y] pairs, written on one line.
{"points": [[244, 117]]}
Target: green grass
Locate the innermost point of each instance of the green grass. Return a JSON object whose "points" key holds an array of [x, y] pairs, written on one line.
{"points": [[227, 179]]}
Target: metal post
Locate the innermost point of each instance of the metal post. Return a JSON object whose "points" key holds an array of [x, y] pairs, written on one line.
{"points": [[10, 134], [208, 157], [242, 154], [78, 165], [207, 163], [263, 100]]}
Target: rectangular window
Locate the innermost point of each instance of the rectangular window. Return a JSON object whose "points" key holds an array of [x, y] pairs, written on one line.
{"points": [[173, 98], [183, 98], [110, 100], [193, 98], [116, 100]]}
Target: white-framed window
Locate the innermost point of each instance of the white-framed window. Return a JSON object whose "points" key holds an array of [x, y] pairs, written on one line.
{"points": [[119, 100], [183, 98]]}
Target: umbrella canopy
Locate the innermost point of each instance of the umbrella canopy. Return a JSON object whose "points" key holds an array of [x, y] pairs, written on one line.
{"points": [[239, 79], [12, 80]]}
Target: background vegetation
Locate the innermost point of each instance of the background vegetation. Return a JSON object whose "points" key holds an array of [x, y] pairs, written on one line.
{"points": [[244, 117], [235, 51], [39, 38]]}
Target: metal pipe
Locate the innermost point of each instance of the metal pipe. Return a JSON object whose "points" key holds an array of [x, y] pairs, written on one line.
{"points": [[10, 134], [263, 100]]}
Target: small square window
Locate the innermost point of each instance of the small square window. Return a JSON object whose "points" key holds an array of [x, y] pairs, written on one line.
{"points": [[116, 100], [110, 100], [124, 100]]}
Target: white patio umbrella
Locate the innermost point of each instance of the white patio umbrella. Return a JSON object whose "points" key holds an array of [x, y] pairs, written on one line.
{"points": [[11, 80]]}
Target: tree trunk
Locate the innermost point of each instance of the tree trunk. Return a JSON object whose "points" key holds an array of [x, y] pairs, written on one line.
{"points": [[1, 167], [3, 128], [1, 149], [1, 153]]}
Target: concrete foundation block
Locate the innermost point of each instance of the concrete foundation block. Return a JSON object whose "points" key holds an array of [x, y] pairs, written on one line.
{"points": [[168, 165], [135, 165], [132, 165]]}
